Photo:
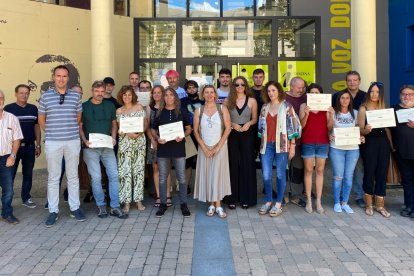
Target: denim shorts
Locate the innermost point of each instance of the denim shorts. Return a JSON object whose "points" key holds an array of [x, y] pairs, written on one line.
{"points": [[315, 150]]}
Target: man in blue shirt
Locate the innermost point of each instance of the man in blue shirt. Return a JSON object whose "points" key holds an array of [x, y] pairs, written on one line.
{"points": [[30, 145]]}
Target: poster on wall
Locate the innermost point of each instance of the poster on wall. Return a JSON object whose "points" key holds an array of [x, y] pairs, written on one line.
{"points": [[289, 69]]}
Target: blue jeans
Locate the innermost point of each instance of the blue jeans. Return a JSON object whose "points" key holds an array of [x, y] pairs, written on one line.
{"points": [[6, 183], [55, 151], [343, 166], [27, 154], [267, 163], [164, 165], [358, 179], [107, 156]]}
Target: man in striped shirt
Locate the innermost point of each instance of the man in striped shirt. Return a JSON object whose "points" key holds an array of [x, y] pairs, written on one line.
{"points": [[30, 145], [60, 111], [10, 136]]}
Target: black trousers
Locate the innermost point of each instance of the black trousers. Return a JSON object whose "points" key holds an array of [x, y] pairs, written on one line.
{"points": [[406, 167], [375, 155]]}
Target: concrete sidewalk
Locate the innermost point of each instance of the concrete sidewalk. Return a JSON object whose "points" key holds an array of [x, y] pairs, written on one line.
{"points": [[245, 243]]}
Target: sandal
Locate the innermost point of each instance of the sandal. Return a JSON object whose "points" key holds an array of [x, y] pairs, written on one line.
{"points": [[140, 206], [169, 201], [211, 211], [220, 212], [157, 202], [264, 209], [274, 212], [125, 209]]}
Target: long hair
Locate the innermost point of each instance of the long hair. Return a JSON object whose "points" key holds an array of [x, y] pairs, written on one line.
{"points": [[152, 101], [231, 99], [337, 106], [280, 92], [124, 89], [177, 102], [381, 103]]}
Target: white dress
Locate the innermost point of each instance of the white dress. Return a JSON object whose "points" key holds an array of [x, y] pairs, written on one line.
{"points": [[212, 181]]}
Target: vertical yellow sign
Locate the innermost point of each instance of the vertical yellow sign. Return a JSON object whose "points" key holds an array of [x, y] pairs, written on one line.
{"points": [[289, 69]]}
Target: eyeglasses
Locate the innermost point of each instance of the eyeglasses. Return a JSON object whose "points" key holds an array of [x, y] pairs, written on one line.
{"points": [[210, 124], [407, 94], [62, 98], [239, 84], [377, 83]]}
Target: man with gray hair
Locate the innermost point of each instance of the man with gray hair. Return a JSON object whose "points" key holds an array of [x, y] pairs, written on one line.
{"points": [[10, 136]]}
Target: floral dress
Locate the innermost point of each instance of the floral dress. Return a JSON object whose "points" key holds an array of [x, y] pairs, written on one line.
{"points": [[131, 164]]}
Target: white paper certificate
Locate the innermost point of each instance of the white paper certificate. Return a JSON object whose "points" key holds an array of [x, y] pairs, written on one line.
{"points": [[319, 102], [171, 131], [381, 118], [347, 136], [131, 124], [403, 115], [144, 98], [98, 140]]}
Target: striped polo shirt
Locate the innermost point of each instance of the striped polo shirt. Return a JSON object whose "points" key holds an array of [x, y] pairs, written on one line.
{"points": [[61, 119]]}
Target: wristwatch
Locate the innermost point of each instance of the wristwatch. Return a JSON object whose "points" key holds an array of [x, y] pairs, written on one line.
{"points": [[38, 146], [13, 155]]}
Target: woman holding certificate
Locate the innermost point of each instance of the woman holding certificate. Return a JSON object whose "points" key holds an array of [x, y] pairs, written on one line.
{"points": [[131, 152], [279, 127], [315, 145], [375, 152], [242, 106], [170, 127], [344, 154], [157, 95], [212, 126]]}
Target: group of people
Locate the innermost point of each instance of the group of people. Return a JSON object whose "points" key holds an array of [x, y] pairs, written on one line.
{"points": [[230, 127]]}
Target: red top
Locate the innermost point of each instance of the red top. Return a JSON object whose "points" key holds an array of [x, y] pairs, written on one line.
{"points": [[315, 131], [271, 122]]}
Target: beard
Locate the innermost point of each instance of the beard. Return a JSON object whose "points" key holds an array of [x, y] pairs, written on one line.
{"points": [[193, 96], [407, 102]]}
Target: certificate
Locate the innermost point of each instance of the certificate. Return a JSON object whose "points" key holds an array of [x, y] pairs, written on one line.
{"points": [[319, 102], [144, 98], [171, 131], [403, 115], [98, 140], [131, 124], [381, 118], [346, 136]]}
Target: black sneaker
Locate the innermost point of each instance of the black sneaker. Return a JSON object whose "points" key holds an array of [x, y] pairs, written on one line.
{"points": [[406, 212], [11, 219], [117, 212], [51, 219], [88, 197], [360, 202], [102, 213], [184, 210], [161, 210], [78, 215], [29, 203]]}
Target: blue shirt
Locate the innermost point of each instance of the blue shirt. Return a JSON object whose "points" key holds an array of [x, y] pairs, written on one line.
{"points": [[27, 118], [61, 119]]}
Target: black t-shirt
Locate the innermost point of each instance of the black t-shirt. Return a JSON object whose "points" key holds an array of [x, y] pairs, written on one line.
{"points": [[114, 101], [357, 101], [403, 137], [258, 97], [27, 118], [171, 149]]}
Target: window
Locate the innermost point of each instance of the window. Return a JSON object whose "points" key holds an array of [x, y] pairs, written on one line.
{"points": [[296, 37], [233, 8], [171, 8], [272, 8], [157, 39], [204, 8]]}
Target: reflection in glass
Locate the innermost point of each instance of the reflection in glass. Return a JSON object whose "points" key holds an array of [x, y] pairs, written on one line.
{"points": [[204, 8], [202, 74], [232, 8], [155, 72], [157, 39], [272, 7], [296, 37], [246, 70], [120, 7], [227, 38], [171, 8]]}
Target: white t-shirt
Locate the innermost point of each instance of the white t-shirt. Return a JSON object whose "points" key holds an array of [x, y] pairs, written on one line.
{"points": [[222, 95], [343, 120]]}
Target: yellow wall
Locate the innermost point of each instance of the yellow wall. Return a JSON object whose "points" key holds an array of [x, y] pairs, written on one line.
{"points": [[30, 31]]}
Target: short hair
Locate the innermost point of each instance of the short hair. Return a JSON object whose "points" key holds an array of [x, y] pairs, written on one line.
{"points": [[21, 86], [224, 71], [209, 86], [192, 82], [145, 81], [295, 80], [258, 71], [280, 92], [124, 89], [60, 67], [172, 73], [133, 73], [95, 84], [314, 85], [352, 73], [407, 86]]}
